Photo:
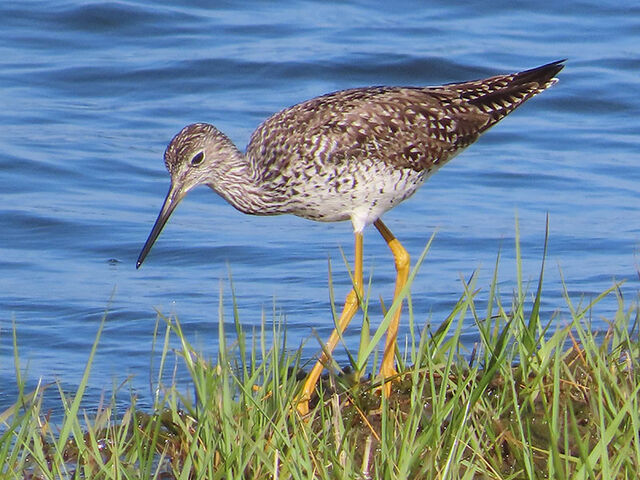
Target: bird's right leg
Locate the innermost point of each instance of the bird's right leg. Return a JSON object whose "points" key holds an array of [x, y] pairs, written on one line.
{"points": [[350, 308], [403, 262]]}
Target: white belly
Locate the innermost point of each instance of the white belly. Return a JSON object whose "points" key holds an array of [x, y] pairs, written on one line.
{"points": [[360, 194]]}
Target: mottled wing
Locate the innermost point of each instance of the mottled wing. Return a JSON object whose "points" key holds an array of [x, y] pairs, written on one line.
{"points": [[403, 127], [416, 128]]}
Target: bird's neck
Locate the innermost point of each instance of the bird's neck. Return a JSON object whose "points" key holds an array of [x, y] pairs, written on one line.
{"points": [[239, 183]]}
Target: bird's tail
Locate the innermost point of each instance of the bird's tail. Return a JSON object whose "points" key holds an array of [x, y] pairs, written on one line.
{"points": [[500, 95]]}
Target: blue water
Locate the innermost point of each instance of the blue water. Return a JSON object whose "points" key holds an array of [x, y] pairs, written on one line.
{"points": [[91, 92]]}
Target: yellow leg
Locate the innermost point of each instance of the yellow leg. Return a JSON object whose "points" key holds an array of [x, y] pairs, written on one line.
{"points": [[350, 308], [402, 261]]}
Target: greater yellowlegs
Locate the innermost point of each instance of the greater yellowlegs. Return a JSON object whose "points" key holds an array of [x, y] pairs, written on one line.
{"points": [[349, 155]]}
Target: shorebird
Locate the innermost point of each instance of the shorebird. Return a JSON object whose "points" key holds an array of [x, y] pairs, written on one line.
{"points": [[348, 155]]}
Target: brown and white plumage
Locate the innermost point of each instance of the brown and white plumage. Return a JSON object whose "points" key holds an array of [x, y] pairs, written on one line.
{"points": [[352, 154]]}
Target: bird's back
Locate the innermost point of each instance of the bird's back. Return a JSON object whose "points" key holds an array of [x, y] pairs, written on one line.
{"points": [[407, 127]]}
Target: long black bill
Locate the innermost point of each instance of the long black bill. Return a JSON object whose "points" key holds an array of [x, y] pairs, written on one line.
{"points": [[170, 203]]}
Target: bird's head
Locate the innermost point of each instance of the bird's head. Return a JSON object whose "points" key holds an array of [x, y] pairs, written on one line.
{"points": [[193, 157]]}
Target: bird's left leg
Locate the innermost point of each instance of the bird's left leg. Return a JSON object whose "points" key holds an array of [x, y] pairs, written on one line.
{"points": [[403, 262], [351, 305]]}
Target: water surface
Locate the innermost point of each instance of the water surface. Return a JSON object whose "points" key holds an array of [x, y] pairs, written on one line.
{"points": [[93, 91]]}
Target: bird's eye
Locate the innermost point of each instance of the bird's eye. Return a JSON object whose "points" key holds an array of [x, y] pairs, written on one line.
{"points": [[197, 159]]}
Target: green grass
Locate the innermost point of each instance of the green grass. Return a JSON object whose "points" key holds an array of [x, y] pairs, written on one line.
{"points": [[536, 398]]}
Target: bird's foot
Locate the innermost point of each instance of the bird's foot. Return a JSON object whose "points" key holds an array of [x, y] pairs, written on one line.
{"points": [[301, 403], [387, 375]]}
